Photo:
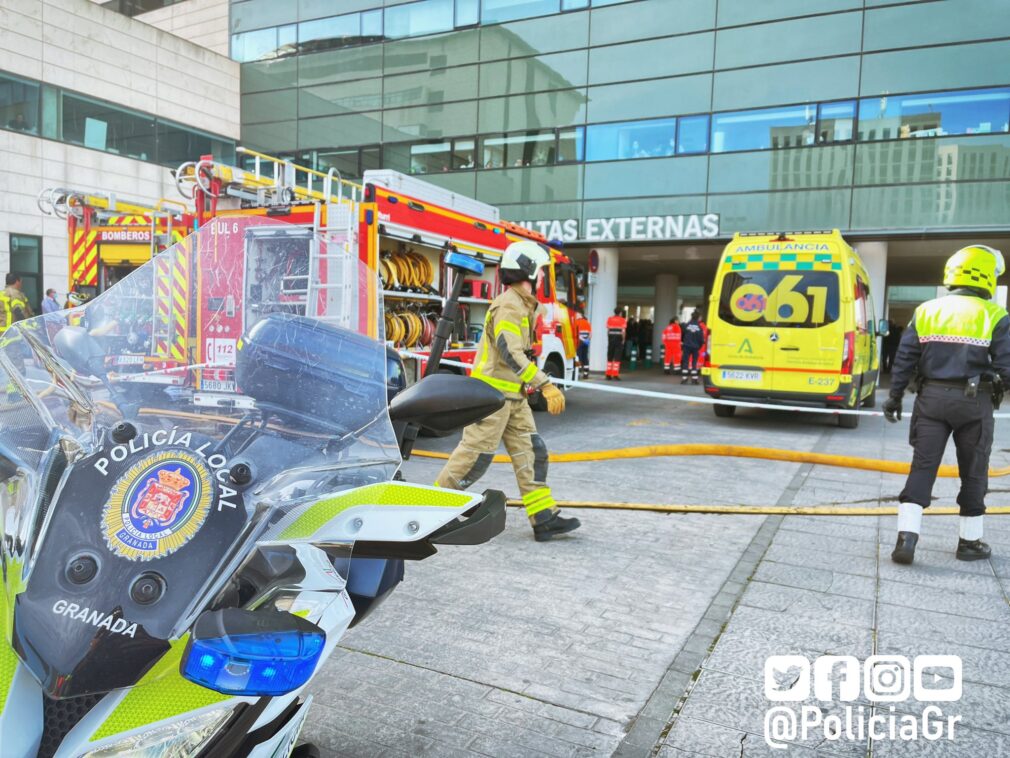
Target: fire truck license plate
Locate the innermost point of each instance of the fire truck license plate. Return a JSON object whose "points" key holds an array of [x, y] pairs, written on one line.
{"points": [[211, 385], [129, 360], [730, 375]]}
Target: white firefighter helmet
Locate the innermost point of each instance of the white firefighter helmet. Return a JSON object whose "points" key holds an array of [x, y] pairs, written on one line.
{"points": [[526, 257]]}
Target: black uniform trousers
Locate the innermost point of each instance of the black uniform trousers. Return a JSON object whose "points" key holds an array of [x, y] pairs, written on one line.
{"points": [[615, 347], [939, 412]]}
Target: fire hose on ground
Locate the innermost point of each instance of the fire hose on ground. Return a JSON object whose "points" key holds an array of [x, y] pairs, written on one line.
{"points": [[737, 451]]}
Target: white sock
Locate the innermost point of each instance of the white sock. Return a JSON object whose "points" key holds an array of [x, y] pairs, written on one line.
{"points": [[971, 528], [909, 517]]}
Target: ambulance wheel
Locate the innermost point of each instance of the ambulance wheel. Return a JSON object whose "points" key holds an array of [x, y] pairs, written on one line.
{"points": [[305, 751], [870, 401], [554, 370], [848, 420], [724, 411]]}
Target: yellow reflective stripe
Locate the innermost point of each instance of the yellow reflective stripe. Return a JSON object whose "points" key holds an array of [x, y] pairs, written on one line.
{"points": [[507, 326], [529, 372], [526, 323], [541, 505], [965, 320], [388, 493], [500, 384], [532, 497]]}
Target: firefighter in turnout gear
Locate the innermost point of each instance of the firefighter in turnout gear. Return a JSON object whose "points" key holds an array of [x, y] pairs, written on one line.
{"points": [[671, 346], [585, 333], [617, 328], [957, 348], [14, 302], [503, 362]]}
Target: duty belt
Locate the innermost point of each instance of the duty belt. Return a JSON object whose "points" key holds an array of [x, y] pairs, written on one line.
{"points": [[960, 384]]}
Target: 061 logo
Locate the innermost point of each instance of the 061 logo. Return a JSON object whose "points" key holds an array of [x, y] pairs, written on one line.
{"points": [[881, 678]]}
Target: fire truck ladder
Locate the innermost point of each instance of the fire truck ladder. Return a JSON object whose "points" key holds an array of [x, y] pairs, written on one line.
{"points": [[277, 182]]}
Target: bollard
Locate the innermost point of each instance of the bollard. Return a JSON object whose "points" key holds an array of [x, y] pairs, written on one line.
{"points": [[633, 361], [648, 356]]}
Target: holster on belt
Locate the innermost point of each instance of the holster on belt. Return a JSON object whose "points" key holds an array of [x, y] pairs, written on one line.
{"points": [[997, 392], [971, 386]]}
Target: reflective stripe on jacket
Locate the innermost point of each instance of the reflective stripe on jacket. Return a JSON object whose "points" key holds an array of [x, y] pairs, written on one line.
{"points": [[954, 338], [671, 333], [508, 333], [13, 307], [617, 326]]}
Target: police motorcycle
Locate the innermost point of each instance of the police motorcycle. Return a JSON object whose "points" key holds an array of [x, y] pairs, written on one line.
{"points": [[174, 574]]}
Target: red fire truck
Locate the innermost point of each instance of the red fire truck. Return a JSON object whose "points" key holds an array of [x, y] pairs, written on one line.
{"points": [[398, 225]]}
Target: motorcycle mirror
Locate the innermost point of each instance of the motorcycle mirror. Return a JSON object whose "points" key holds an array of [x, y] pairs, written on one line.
{"points": [[259, 653], [79, 349], [446, 402], [883, 327]]}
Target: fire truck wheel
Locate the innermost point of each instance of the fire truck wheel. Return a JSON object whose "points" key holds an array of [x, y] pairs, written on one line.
{"points": [[555, 370]]}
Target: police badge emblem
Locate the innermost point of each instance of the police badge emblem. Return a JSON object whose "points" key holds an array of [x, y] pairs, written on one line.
{"points": [[157, 505]]}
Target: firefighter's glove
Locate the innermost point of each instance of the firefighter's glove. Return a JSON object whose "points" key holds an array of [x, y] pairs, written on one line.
{"points": [[892, 409], [555, 399]]}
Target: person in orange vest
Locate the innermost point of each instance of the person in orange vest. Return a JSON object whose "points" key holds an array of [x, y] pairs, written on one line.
{"points": [[617, 327], [671, 346], [585, 332]]}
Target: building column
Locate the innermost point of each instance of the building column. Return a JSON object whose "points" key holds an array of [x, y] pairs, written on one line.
{"points": [[874, 256], [602, 301], [666, 308]]}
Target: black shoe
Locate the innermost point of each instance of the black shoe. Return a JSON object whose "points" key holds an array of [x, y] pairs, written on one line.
{"points": [[904, 550], [666, 371], [555, 525], [685, 380], [617, 378], [609, 378], [976, 550], [694, 380]]}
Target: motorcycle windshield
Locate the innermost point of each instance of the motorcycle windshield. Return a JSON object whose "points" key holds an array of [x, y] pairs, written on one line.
{"points": [[149, 437]]}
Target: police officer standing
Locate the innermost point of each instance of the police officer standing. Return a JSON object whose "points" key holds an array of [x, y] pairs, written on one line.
{"points": [[503, 362], [959, 347]]}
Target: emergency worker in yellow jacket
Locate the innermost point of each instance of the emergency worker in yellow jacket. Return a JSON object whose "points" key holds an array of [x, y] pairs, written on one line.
{"points": [[504, 361], [14, 304], [958, 346]]}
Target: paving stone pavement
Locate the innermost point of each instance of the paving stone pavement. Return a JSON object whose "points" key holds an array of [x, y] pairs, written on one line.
{"points": [[646, 634]]}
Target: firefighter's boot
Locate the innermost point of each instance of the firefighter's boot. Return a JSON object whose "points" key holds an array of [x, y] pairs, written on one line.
{"points": [[909, 525], [550, 523], [970, 546]]}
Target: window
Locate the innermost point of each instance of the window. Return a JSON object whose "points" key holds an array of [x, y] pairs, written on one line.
{"points": [[463, 152], [261, 44], [177, 144], [574, 5], [467, 13], [344, 161], [19, 104], [517, 150], [834, 121], [800, 299], [496, 11], [571, 145], [371, 26], [413, 19], [102, 126], [762, 129], [430, 157], [692, 135], [935, 114], [634, 139], [328, 33], [26, 259]]}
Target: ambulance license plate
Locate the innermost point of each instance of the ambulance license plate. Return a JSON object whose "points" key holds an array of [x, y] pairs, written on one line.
{"points": [[733, 375]]}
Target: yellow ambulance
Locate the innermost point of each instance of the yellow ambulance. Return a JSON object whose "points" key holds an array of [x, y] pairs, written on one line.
{"points": [[791, 322]]}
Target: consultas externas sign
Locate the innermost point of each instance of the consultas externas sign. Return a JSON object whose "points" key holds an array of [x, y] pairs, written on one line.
{"points": [[629, 228]]}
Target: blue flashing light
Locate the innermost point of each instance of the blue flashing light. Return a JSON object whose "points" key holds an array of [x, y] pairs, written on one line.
{"points": [[465, 262], [269, 663]]}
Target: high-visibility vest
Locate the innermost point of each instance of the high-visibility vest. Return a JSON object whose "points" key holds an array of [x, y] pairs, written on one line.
{"points": [[584, 328], [671, 333], [617, 326]]}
